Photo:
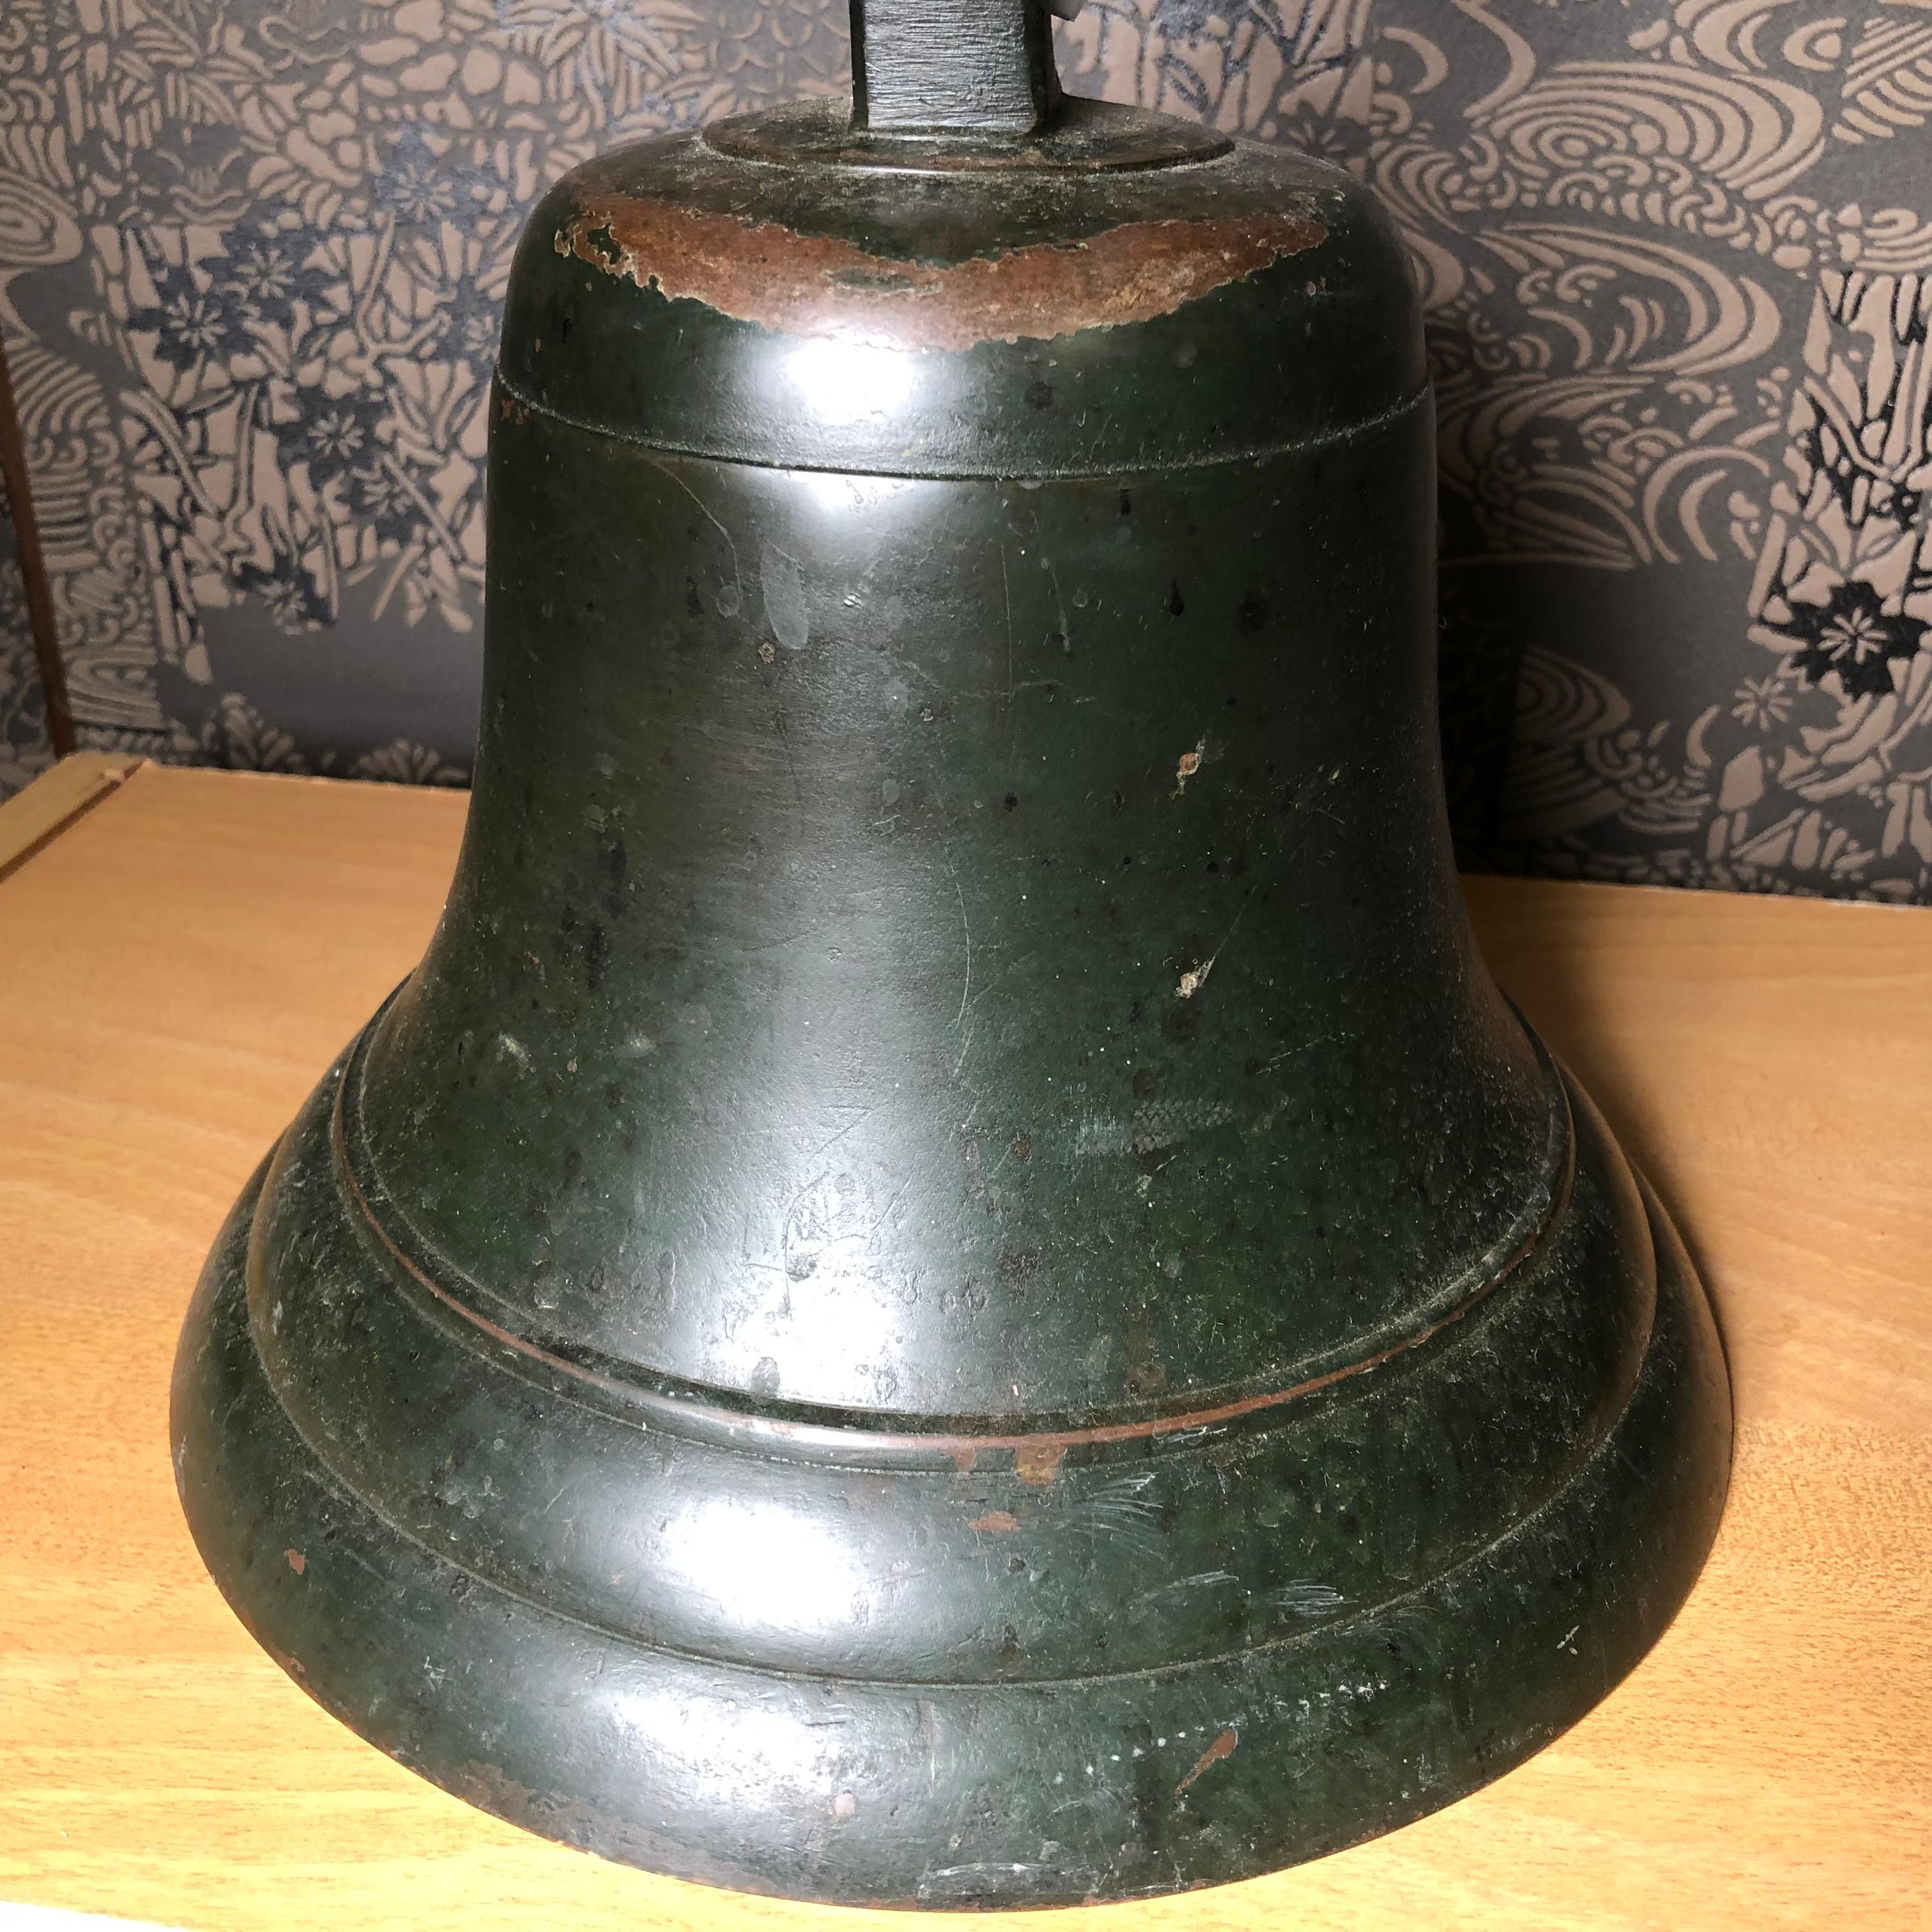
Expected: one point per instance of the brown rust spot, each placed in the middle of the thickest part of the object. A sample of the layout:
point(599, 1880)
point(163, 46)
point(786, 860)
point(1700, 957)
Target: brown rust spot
point(1222, 1747)
point(1037, 1461)
point(1188, 764)
point(762, 272)
point(298, 1562)
point(493, 1789)
point(996, 1522)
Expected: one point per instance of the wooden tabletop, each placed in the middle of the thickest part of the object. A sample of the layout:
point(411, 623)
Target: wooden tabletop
point(179, 962)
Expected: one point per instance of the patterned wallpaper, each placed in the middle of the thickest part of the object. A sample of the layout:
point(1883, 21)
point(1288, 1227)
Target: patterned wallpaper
point(1678, 260)
point(24, 750)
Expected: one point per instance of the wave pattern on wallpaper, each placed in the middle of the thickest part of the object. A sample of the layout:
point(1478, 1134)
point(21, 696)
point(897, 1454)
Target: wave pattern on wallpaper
point(1678, 266)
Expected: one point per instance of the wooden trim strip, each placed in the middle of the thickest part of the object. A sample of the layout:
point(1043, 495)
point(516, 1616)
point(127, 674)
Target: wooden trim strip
point(34, 818)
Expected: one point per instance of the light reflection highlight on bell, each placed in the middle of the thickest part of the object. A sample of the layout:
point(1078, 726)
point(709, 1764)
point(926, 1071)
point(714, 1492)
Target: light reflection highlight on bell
point(844, 381)
point(833, 490)
point(767, 1563)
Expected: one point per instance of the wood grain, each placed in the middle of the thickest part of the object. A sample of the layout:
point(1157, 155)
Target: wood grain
point(177, 966)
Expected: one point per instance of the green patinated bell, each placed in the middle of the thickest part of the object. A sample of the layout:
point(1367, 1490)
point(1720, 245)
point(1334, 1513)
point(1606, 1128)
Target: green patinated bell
point(951, 1284)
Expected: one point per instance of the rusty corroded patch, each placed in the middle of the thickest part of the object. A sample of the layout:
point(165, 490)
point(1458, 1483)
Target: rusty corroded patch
point(822, 285)
point(998, 1522)
point(1037, 1459)
point(1221, 1747)
point(297, 1561)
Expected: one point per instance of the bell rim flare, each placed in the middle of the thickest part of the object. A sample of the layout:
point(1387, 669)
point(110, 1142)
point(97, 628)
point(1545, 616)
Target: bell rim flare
point(1286, 1750)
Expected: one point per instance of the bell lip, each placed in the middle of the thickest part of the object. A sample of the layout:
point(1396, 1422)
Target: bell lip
point(1610, 1557)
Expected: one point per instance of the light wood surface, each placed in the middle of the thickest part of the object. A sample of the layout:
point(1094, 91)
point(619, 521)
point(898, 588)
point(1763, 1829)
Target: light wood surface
point(178, 964)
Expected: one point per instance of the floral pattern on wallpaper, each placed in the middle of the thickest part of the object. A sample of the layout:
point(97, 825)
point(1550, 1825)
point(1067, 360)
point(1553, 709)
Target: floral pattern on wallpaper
point(1677, 262)
point(26, 750)
point(252, 257)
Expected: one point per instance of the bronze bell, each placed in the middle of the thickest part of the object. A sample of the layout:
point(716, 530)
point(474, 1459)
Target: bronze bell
point(951, 1284)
